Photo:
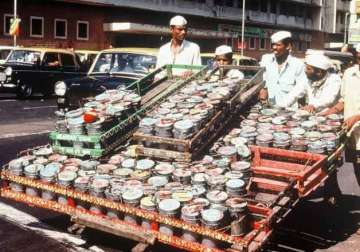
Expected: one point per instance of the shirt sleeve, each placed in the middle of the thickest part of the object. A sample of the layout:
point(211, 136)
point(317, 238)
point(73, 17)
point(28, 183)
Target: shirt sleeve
point(329, 94)
point(263, 64)
point(197, 57)
point(343, 88)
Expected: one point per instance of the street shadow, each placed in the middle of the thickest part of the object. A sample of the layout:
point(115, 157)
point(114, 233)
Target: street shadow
point(318, 225)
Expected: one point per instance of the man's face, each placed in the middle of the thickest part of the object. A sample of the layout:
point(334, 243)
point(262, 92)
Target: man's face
point(313, 73)
point(280, 49)
point(178, 32)
point(223, 60)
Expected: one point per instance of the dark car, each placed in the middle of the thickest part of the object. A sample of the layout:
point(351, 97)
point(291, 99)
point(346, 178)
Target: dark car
point(29, 70)
point(112, 68)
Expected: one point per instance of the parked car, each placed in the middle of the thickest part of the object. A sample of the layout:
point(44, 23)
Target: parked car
point(29, 70)
point(4, 53)
point(112, 68)
point(86, 58)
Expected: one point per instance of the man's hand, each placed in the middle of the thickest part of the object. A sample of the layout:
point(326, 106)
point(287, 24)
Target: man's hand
point(263, 96)
point(327, 112)
point(186, 74)
point(349, 123)
point(309, 108)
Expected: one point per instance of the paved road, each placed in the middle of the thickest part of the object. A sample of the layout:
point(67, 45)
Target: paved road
point(312, 226)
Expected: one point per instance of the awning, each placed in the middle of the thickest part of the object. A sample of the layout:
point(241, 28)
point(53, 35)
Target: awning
point(135, 28)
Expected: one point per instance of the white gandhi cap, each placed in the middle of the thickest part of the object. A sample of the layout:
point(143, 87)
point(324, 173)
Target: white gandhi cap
point(178, 21)
point(223, 49)
point(280, 35)
point(318, 61)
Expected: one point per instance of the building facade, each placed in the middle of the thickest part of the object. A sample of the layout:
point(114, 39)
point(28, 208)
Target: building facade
point(97, 24)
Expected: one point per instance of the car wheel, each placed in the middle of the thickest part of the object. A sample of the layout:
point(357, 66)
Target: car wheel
point(24, 91)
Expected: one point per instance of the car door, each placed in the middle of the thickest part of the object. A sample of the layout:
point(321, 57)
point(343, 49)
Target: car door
point(69, 67)
point(50, 71)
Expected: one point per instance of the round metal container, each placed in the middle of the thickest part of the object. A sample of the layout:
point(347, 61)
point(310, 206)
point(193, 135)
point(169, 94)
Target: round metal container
point(216, 182)
point(147, 125)
point(129, 163)
point(140, 175)
point(228, 152)
point(217, 197)
point(169, 207)
point(182, 176)
point(88, 165)
point(199, 179)
point(235, 187)
point(81, 184)
point(264, 140)
point(105, 168)
point(164, 169)
point(183, 197)
point(32, 171)
point(145, 164)
point(65, 178)
point(132, 196)
point(158, 181)
point(123, 172)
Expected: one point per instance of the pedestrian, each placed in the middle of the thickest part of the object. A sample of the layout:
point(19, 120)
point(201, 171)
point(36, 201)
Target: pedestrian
point(178, 50)
point(322, 88)
point(282, 70)
point(349, 104)
point(224, 57)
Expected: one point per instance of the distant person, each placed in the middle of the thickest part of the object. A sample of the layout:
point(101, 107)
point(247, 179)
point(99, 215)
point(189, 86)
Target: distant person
point(224, 57)
point(282, 70)
point(178, 50)
point(321, 90)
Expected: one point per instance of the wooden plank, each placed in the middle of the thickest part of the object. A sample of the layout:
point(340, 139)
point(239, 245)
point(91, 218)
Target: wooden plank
point(161, 140)
point(155, 91)
point(269, 184)
point(163, 154)
point(117, 228)
point(293, 167)
point(275, 172)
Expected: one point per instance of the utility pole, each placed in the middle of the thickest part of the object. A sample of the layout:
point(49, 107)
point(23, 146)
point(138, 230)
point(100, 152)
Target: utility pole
point(242, 27)
point(14, 19)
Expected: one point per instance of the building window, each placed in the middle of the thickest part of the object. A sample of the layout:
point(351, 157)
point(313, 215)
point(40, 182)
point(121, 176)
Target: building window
point(308, 44)
point(262, 44)
point(252, 44)
point(7, 23)
point(82, 32)
point(36, 27)
point(60, 28)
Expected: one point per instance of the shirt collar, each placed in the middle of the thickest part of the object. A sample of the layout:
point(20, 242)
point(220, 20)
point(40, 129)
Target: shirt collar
point(182, 44)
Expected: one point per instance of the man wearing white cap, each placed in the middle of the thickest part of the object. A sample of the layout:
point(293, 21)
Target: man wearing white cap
point(282, 70)
point(223, 57)
point(349, 103)
point(178, 50)
point(322, 88)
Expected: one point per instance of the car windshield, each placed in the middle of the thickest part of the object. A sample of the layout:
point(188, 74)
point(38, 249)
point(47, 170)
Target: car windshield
point(24, 56)
point(4, 53)
point(124, 62)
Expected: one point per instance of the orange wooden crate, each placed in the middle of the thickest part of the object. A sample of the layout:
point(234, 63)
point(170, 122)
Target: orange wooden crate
point(308, 170)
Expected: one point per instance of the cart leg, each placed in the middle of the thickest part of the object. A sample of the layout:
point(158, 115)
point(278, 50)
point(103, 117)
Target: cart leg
point(331, 189)
point(140, 247)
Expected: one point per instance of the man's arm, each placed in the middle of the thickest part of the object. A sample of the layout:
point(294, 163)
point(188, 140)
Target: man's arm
point(329, 95)
point(197, 57)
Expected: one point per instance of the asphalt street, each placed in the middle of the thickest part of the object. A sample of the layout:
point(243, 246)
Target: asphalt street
point(312, 226)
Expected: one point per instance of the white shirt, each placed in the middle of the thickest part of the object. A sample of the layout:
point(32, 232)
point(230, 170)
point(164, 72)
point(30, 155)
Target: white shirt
point(188, 54)
point(233, 74)
point(350, 94)
point(280, 82)
point(321, 97)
